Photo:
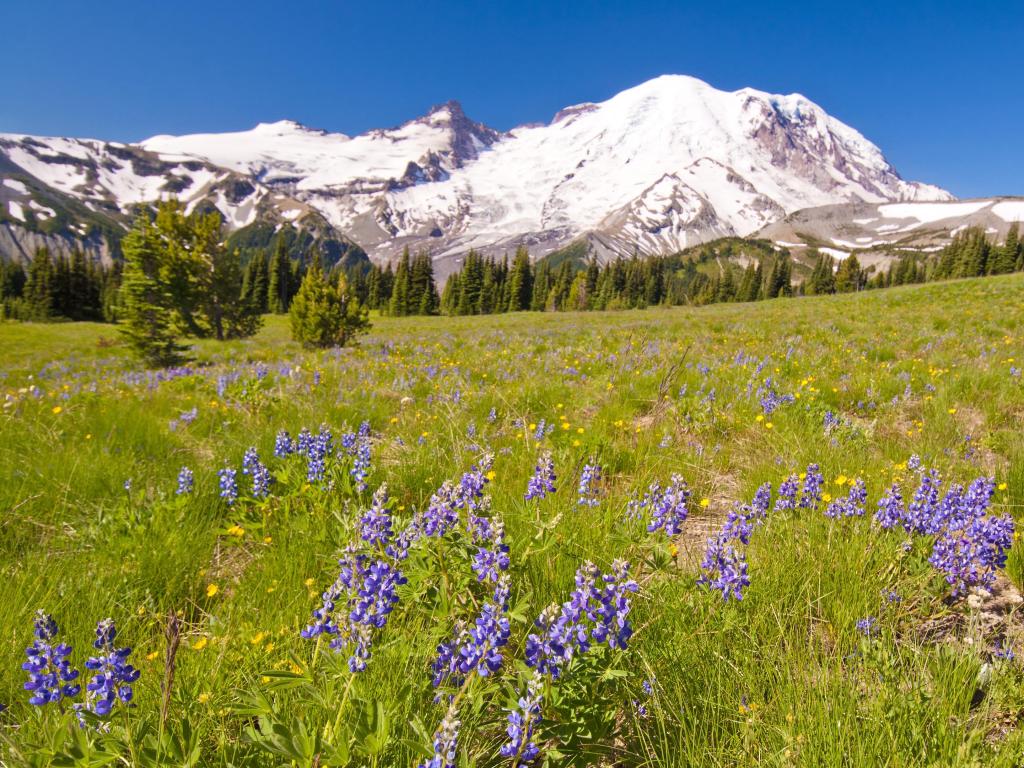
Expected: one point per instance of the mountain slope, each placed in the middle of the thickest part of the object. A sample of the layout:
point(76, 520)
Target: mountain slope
point(876, 232)
point(667, 164)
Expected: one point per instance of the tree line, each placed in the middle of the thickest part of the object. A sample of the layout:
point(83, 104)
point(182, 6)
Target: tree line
point(210, 294)
point(66, 287)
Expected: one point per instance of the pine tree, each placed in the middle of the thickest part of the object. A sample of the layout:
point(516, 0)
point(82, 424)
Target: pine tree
point(450, 294)
point(401, 294)
point(423, 298)
point(848, 277)
point(278, 279)
point(325, 315)
point(147, 305)
point(260, 281)
point(40, 287)
point(471, 284)
point(520, 282)
point(1004, 259)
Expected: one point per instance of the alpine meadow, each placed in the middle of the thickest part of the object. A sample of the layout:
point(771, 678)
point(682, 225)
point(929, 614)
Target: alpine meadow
point(673, 428)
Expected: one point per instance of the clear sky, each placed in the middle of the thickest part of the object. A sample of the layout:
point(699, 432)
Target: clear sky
point(939, 86)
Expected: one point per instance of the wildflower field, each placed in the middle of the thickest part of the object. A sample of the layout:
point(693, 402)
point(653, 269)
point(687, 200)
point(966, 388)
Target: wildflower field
point(778, 533)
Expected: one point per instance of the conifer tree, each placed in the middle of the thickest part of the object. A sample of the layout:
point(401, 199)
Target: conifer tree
point(41, 286)
point(279, 279)
point(147, 309)
point(401, 293)
point(325, 315)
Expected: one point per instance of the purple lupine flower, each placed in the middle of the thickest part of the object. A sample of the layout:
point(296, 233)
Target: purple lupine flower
point(1004, 652)
point(669, 508)
point(50, 675)
point(832, 422)
point(317, 448)
point(890, 508)
point(810, 496)
point(971, 556)
point(491, 557)
point(228, 485)
point(725, 569)
point(787, 494)
point(185, 481)
point(358, 446)
point(611, 608)
point(303, 442)
point(920, 515)
point(445, 744)
point(769, 397)
point(543, 481)
point(376, 522)
point(597, 611)
point(113, 678)
point(741, 520)
point(788, 490)
point(852, 505)
point(360, 600)
point(590, 477)
point(283, 445)
point(443, 511)
point(476, 648)
point(868, 626)
point(399, 547)
point(521, 724)
point(261, 477)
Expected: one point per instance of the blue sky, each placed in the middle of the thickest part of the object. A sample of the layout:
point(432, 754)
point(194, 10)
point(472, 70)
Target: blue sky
point(939, 86)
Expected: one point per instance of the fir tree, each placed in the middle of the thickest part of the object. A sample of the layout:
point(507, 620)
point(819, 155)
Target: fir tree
point(147, 305)
point(325, 315)
point(41, 286)
point(401, 294)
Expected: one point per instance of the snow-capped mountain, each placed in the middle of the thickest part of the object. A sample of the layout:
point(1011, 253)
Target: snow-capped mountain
point(658, 167)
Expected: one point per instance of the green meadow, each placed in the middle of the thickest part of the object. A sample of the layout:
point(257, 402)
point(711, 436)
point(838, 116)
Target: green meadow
point(92, 526)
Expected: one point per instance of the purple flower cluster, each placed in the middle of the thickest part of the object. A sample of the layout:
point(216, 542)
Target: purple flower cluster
point(868, 626)
point(543, 481)
point(832, 422)
point(446, 504)
point(113, 675)
point(725, 569)
point(741, 521)
point(852, 505)
point(597, 612)
point(445, 745)
point(589, 480)
point(316, 448)
point(50, 675)
point(185, 481)
point(793, 496)
point(283, 445)
point(667, 506)
point(357, 445)
point(359, 600)
point(491, 557)
point(257, 470)
point(890, 508)
point(970, 545)
point(228, 485)
point(478, 647)
point(375, 523)
point(521, 724)
point(810, 495)
point(770, 398)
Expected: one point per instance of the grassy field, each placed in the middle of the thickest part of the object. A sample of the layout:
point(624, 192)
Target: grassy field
point(92, 527)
